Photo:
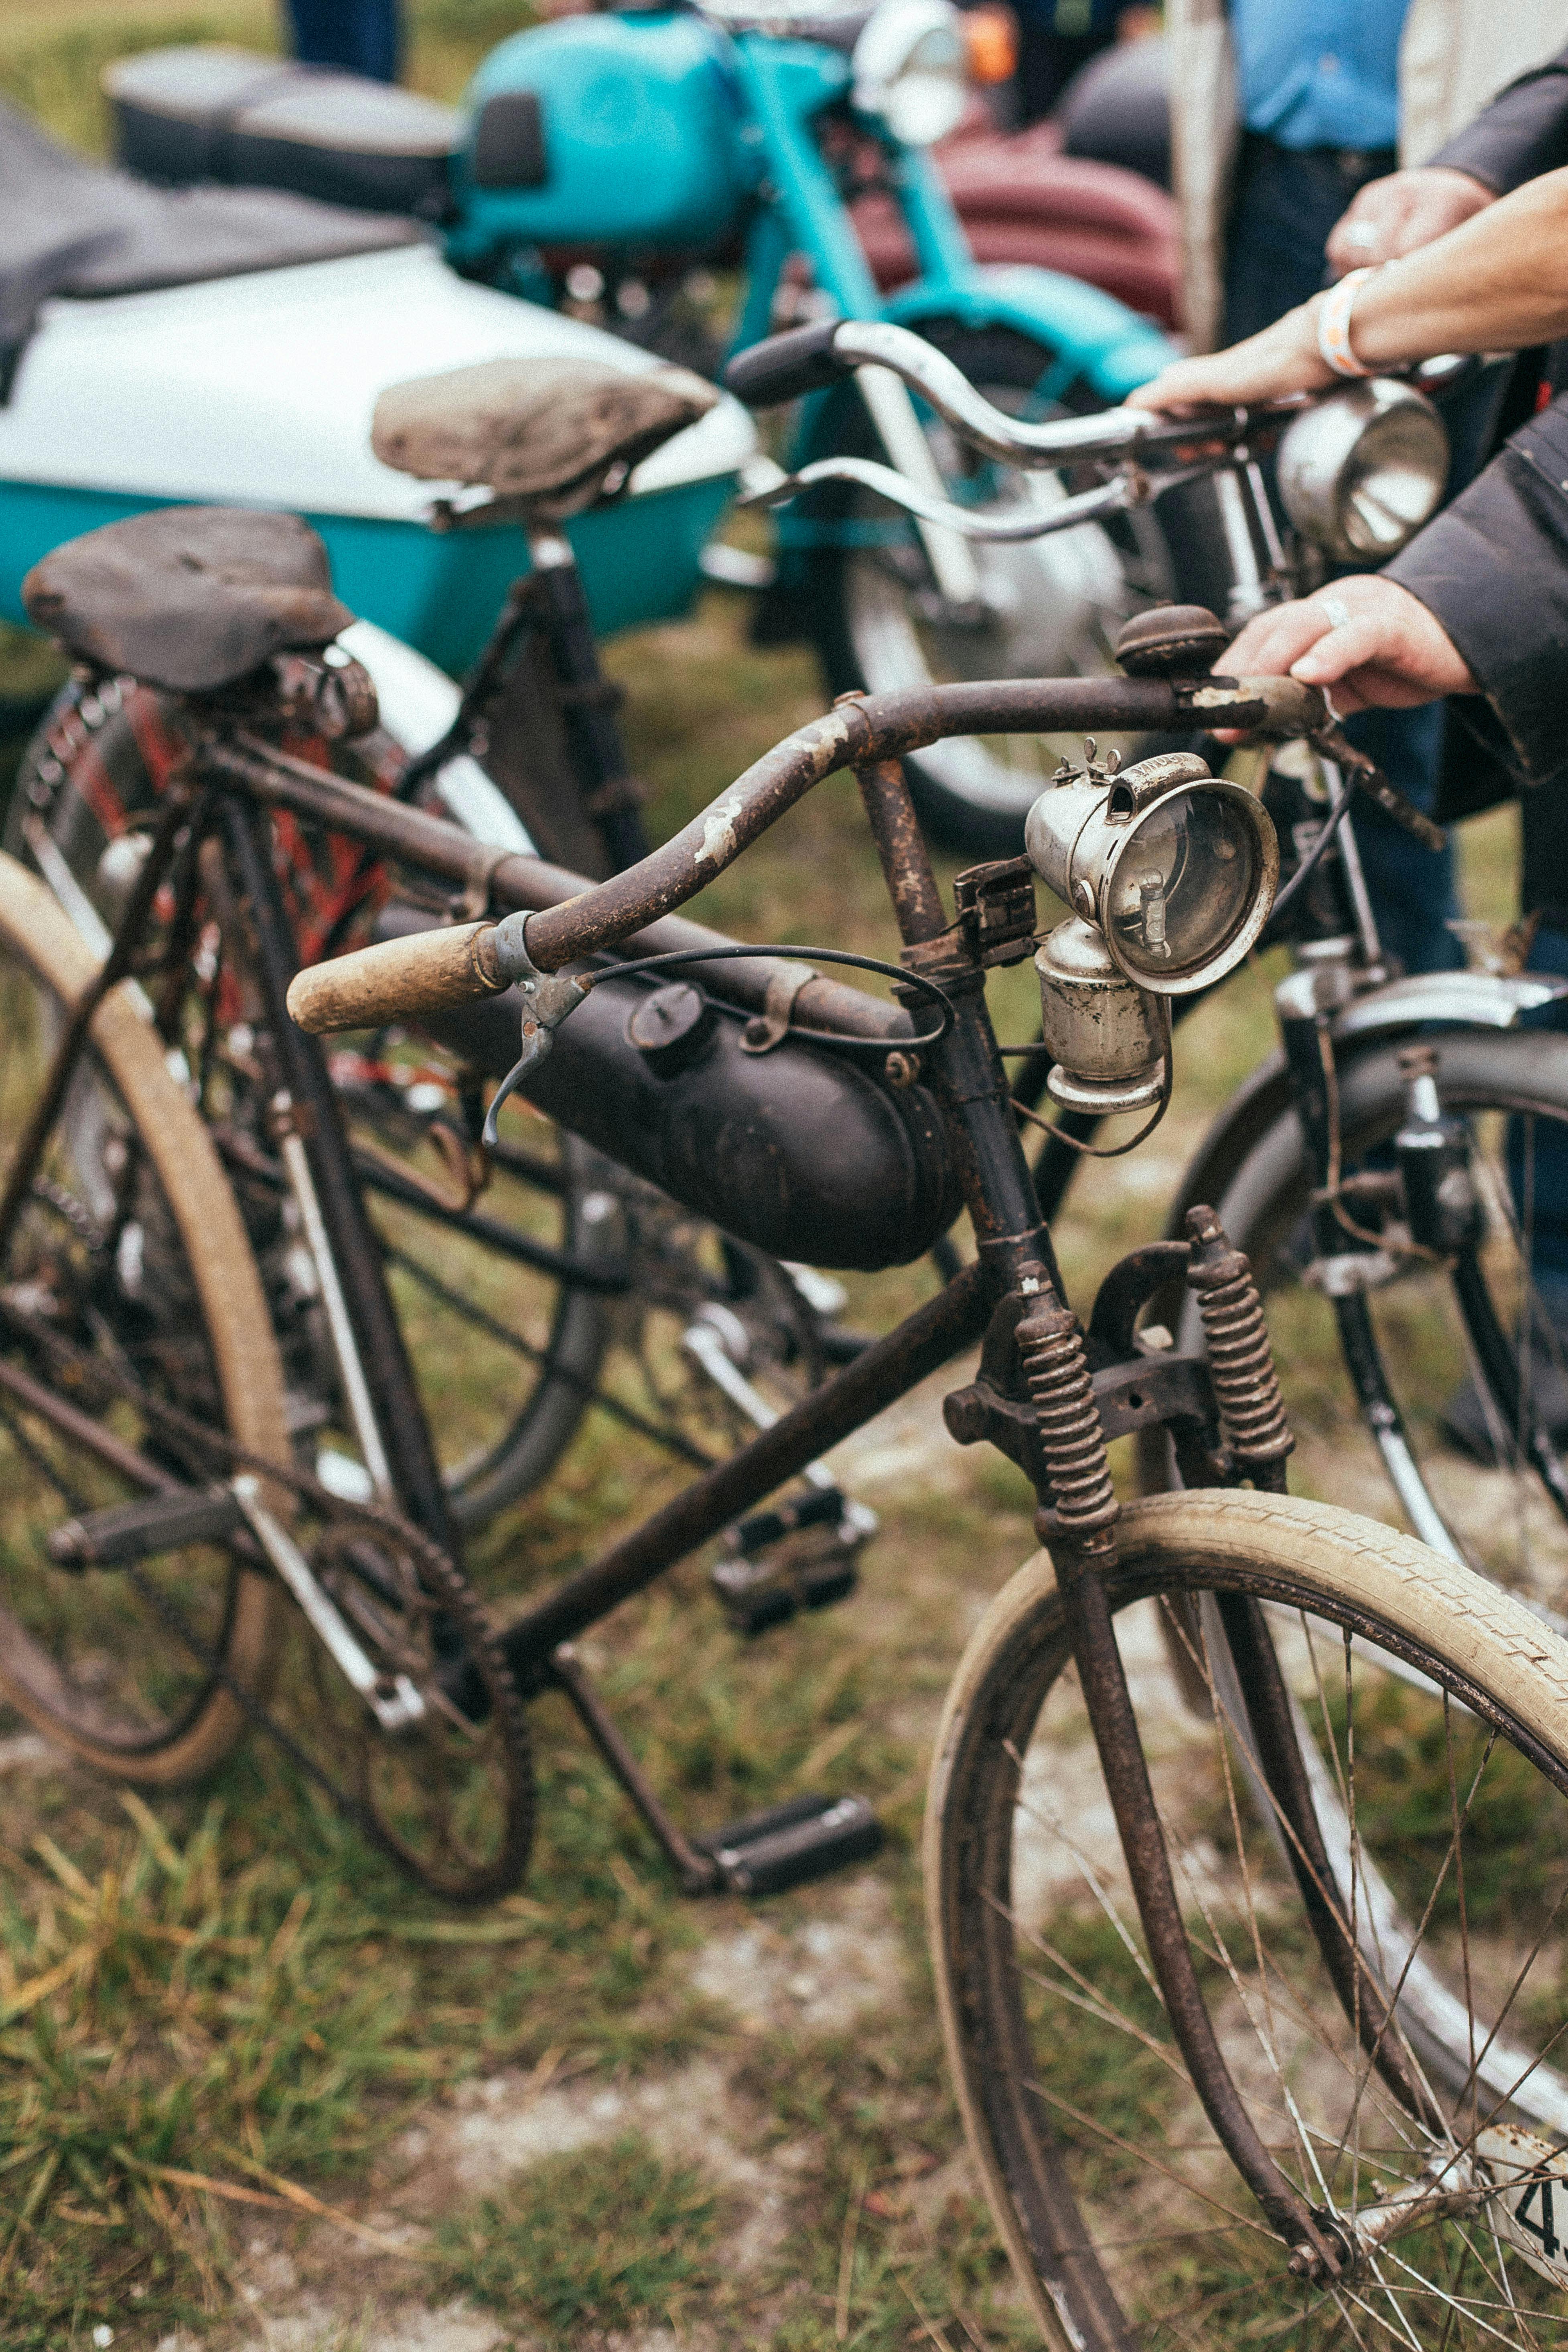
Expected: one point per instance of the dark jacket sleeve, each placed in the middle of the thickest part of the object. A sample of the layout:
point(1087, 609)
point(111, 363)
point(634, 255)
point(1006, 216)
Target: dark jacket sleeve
point(1493, 567)
point(1523, 131)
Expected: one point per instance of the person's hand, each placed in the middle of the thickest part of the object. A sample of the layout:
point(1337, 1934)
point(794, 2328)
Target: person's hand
point(1403, 210)
point(1283, 359)
point(1372, 642)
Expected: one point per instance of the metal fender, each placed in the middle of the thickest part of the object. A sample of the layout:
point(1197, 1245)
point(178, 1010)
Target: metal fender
point(1463, 1000)
point(1098, 340)
point(1469, 1000)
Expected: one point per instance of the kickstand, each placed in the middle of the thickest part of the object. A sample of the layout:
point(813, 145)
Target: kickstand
point(802, 1839)
point(698, 1873)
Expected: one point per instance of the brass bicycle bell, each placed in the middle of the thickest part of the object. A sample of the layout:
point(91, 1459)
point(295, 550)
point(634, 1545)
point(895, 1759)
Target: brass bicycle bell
point(1170, 873)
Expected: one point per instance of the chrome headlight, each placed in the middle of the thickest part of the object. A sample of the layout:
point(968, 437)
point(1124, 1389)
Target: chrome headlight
point(1174, 867)
point(911, 67)
point(1361, 471)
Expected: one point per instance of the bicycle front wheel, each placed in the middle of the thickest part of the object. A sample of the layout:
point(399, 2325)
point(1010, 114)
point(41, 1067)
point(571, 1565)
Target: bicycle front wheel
point(1412, 2097)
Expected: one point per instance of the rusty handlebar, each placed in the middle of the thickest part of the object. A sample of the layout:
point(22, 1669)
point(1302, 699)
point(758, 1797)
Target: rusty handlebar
point(401, 978)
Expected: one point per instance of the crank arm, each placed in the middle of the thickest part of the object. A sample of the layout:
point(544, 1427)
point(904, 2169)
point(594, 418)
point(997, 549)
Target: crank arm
point(706, 1349)
point(393, 1699)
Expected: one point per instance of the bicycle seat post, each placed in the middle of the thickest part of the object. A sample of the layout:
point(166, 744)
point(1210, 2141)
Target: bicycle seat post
point(589, 700)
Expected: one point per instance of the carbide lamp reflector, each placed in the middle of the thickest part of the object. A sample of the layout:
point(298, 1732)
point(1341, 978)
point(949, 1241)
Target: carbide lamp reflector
point(1182, 886)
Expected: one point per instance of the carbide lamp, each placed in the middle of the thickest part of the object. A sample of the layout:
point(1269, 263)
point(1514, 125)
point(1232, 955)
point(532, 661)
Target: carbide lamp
point(1361, 471)
point(1175, 866)
point(1170, 873)
point(910, 67)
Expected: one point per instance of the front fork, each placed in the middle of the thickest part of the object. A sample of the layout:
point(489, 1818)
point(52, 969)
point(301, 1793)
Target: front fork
point(1038, 1347)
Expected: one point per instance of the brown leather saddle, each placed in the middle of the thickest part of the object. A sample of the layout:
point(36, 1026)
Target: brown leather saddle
point(544, 436)
point(191, 598)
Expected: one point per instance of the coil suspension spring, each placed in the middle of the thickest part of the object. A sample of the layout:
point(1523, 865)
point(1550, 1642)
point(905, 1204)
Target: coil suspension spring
point(1241, 1361)
point(1051, 1356)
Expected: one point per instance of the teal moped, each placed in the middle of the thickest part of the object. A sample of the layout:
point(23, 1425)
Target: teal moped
point(608, 163)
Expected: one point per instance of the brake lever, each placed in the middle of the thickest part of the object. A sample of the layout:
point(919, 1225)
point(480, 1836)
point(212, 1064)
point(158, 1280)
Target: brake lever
point(1368, 777)
point(1130, 488)
point(547, 998)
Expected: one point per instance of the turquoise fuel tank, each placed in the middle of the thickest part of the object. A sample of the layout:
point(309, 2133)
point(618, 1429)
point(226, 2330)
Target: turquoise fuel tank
point(614, 130)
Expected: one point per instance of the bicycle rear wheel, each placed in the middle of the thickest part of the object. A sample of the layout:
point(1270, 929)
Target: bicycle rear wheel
point(511, 1354)
point(1437, 1711)
point(128, 1269)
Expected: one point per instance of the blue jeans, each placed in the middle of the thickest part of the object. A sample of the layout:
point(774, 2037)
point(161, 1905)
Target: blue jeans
point(363, 36)
point(1285, 206)
point(1547, 1186)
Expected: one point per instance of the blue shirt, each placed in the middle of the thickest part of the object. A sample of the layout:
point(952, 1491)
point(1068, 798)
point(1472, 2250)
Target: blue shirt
point(1320, 73)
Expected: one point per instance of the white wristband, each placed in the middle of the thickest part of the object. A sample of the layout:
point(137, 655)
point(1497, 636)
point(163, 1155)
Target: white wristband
point(1334, 326)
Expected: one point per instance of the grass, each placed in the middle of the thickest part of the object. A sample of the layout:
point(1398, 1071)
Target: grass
point(53, 52)
point(580, 2244)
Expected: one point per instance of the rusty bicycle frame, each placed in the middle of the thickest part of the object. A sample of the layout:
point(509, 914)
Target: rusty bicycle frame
point(1051, 1394)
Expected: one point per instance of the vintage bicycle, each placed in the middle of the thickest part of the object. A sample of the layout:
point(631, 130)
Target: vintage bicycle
point(1272, 1942)
point(535, 1278)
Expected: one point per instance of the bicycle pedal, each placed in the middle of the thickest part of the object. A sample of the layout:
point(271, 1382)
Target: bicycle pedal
point(792, 1843)
point(125, 1533)
point(802, 1555)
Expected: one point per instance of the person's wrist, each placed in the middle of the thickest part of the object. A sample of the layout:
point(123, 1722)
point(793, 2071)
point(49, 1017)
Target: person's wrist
point(1334, 325)
point(1309, 366)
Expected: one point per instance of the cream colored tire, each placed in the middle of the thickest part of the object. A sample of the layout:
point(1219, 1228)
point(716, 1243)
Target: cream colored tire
point(1473, 1638)
point(35, 937)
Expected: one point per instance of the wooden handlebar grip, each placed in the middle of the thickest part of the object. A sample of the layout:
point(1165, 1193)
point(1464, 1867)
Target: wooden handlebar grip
point(396, 979)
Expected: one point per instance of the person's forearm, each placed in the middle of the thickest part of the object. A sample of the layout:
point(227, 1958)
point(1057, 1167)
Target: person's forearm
point(1498, 284)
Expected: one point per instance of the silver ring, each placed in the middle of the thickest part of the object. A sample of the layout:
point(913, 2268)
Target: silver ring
point(1335, 609)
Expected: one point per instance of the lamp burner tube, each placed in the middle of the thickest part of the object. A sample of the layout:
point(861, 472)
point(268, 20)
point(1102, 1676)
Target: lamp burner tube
point(1107, 1037)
